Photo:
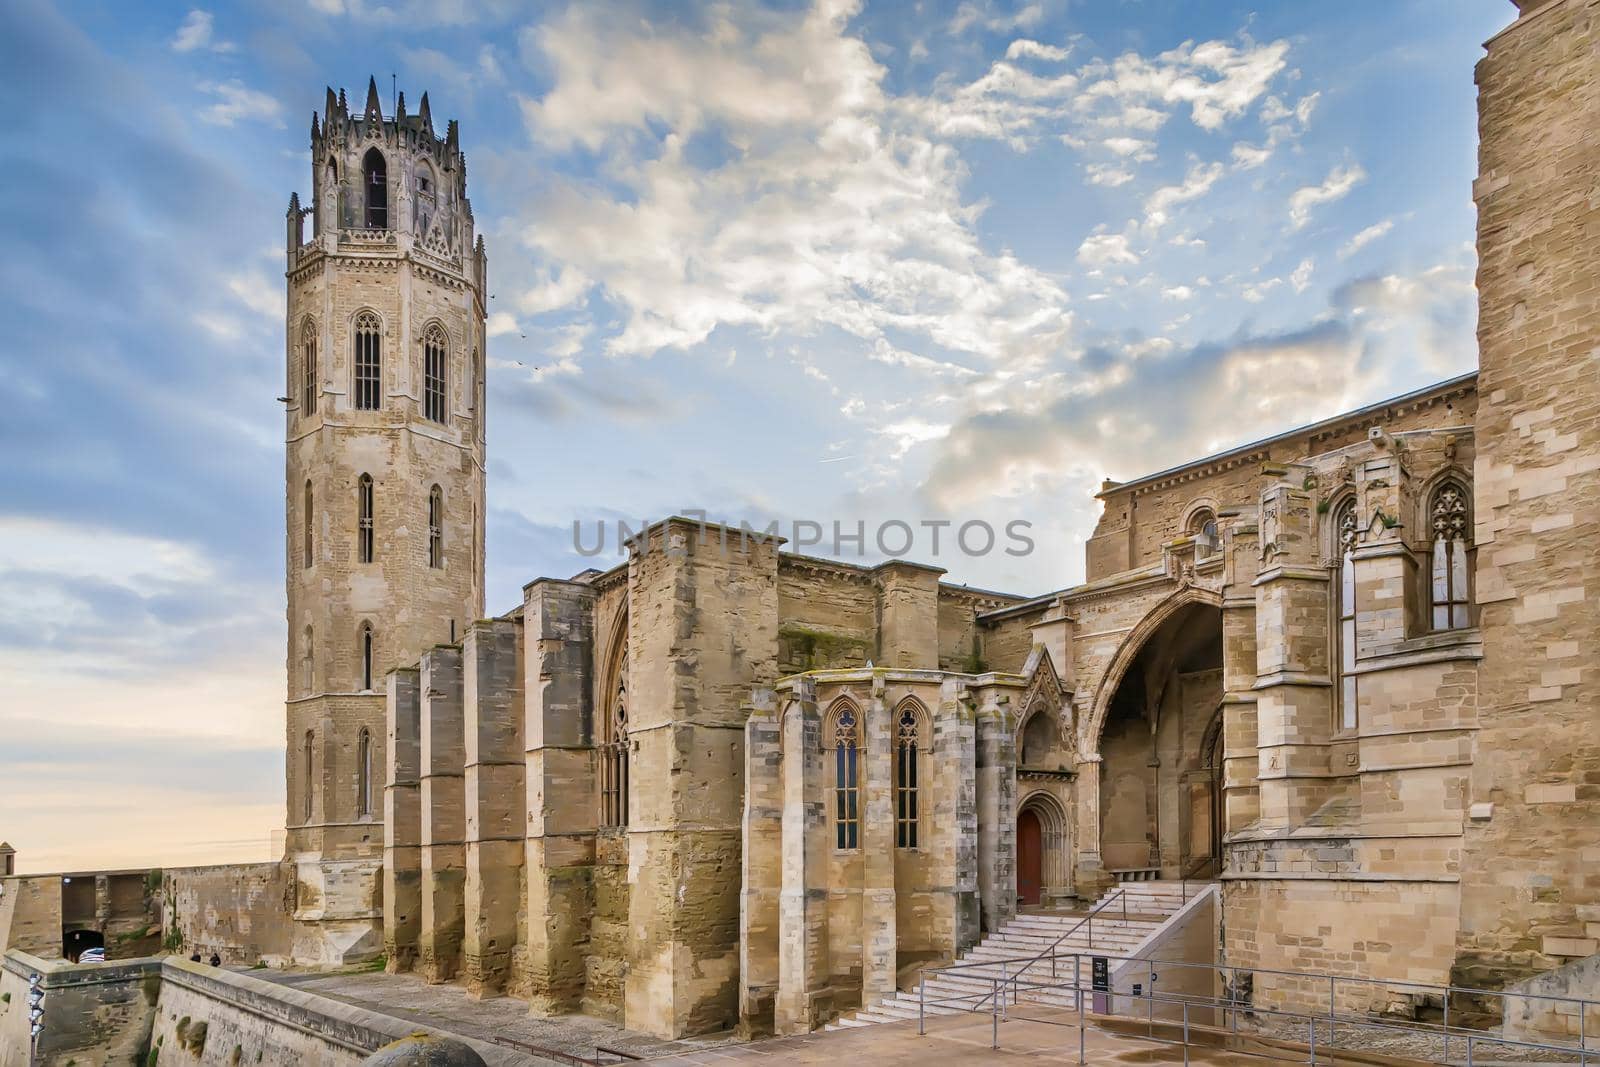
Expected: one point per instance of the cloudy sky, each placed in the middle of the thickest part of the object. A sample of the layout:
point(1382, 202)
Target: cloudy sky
point(828, 261)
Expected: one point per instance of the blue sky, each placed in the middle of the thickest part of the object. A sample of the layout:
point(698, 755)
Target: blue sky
point(829, 261)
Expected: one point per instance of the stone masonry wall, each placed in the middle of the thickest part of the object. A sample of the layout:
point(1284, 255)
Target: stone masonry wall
point(1529, 891)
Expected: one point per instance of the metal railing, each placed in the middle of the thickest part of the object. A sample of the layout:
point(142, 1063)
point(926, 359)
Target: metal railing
point(1006, 991)
point(1050, 950)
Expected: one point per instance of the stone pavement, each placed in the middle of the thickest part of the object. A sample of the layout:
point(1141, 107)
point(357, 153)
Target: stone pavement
point(1046, 1036)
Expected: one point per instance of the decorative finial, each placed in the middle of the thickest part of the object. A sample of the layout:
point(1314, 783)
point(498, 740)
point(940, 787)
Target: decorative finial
point(425, 115)
point(316, 131)
point(452, 137)
point(400, 108)
point(374, 108)
point(344, 106)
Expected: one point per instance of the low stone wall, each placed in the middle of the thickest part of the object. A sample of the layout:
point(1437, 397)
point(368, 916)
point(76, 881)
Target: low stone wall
point(95, 1013)
point(166, 1010)
point(1528, 1017)
point(1189, 936)
point(242, 912)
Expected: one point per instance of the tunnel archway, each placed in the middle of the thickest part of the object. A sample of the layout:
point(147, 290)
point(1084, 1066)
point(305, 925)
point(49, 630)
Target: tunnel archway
point(1157, 740)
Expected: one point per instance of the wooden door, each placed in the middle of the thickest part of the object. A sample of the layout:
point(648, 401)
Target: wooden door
point(1030, 858)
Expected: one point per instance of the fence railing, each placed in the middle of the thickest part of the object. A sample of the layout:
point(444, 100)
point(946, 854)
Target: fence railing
point(1004, 992)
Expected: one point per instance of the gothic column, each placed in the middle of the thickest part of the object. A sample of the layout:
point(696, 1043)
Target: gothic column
point(761, 863)
point(1293, 687)
point(443, 817)
point(559, 784)
point(1241, 796)
point(955, 826)
point(803, 899)
point(402, 821)
point(879, 945)
point(495, 824)
point(989, 732)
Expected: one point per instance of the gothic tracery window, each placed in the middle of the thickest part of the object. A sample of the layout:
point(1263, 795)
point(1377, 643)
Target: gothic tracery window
point(308, 364)
point(365, 542)
point(375, 178)
point(908, 735)
point(1203, 528)
point(369, 362)
point(1450, 525)
point(308, 525)
point(307, 662)
point(308, 780)
point(846, 780)
point(364, 772)
point(366, 657)
point(1344, 531)
point(614, 750)
point(435, 527)
point(433, 374)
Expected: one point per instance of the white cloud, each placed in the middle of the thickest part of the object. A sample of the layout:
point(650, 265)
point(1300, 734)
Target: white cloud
point(834, 208)
point(1337, 185)
point(1248, 156)
point(554, 293)
point(196, 31)
point(236, 101)
point(971, 14)
point(500, 323)
point(1195, 184)
point(1365, 237)
point(1131, 147)
point(1022, 48)
point(1300, 278)
point(1178, 292)
point(259, 293)
point(1107, 174)
point(1106, 249)
point(1258, 292)
point(1216, 80)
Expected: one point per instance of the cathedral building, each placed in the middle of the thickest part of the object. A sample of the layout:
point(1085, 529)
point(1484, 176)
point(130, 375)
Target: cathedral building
point(1342, 681)
point(1341, 671)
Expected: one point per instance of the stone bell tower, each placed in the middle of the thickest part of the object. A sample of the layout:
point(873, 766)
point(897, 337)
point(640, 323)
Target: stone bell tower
point(384, 475)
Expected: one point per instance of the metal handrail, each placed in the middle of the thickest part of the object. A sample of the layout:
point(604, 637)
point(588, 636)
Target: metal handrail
point(1089, 919)
point(1232, 1004)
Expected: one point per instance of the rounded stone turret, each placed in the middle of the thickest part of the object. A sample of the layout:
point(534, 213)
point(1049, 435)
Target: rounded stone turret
point(424, 1050)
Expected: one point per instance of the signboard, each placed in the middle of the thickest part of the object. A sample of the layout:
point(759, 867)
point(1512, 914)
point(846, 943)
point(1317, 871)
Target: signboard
point(1100, 979)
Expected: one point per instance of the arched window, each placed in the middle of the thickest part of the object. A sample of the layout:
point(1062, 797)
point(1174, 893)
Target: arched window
point(365, 540)
point(369, 362)
point(475, 387)
point(364, 772)
point(846, 779)
point(1344, 533)
point(309, 524)
point(307, 663)
point(308, 783)
point(908, 739)
point(472, 535)
point(308, 364)
point(435, 527)
point(433, 374)
point(1203, 528)
point(1451, 526)
point(375, 179)
point(366, 657)
point(614, 747)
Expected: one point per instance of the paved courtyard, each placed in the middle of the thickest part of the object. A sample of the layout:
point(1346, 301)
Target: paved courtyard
point(1043, 1037)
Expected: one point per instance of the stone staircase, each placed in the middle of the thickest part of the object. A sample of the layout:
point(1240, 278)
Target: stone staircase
point(1149, 905)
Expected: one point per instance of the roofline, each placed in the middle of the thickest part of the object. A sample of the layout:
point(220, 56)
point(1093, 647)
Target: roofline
point(1299, 431)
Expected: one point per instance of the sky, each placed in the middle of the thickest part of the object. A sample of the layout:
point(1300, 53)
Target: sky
point(838, 261)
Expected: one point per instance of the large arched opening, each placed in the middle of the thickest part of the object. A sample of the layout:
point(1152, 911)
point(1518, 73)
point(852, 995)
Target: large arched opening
point(1159, 741)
